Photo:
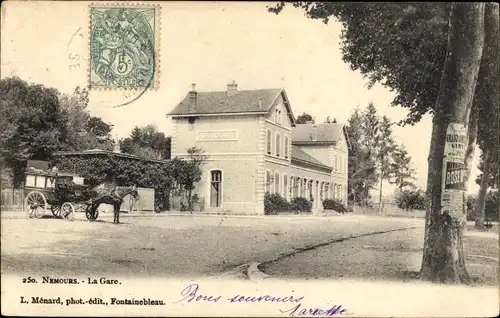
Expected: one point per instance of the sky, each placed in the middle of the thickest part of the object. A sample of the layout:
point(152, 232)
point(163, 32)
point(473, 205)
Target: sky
point(209, 44)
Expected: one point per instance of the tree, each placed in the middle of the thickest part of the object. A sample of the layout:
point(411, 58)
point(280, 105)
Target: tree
point(404, 46)
point(329, 120)
point(303, 118)
point(34, 127)
point(403, 174)
point(371, 154)
point(486, 100)
point(443, 258)
point(385, 149)
point(147, 142)
point(188, 172)
point(85, 131)
point(361, 165)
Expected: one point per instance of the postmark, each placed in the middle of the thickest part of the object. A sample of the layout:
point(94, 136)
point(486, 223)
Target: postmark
point(123, 42)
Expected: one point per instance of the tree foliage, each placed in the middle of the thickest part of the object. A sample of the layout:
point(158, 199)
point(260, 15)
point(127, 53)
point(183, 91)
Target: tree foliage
point(147, 142)
point(84, 131)
point(361, 165)
point(38, 121)
point(303, 118)
point(401, 45)
point(411, 200)
point(330, 120)
point(403, 174)
point(374, 155)
point(163, 176)
point(33, 127)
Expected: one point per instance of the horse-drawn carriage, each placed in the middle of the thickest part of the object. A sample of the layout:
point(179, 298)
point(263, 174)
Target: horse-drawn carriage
point(64, 194)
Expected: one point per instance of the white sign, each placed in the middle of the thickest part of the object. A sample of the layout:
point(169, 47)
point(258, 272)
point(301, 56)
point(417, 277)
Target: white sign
point(456, 141)
point(217, 135)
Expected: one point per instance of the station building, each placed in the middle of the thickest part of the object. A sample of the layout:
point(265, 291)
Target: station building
point(253, 146)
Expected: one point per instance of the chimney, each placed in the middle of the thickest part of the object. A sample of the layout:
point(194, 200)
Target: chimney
point(192, 98)
point(232, 88)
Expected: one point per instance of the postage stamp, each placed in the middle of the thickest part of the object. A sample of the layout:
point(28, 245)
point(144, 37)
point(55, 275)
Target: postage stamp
point(123, 42)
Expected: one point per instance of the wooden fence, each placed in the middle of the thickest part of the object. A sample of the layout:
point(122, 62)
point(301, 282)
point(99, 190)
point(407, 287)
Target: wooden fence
point(12, 199)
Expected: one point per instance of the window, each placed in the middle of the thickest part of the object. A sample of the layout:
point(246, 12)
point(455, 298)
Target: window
point(278, 144)
point(277, 116)
point(268, 182)
point(321, 189)
point(269, 142)
point(285, 154)
point(277, 183)
point(285, 186)
point(216, 188)
point(311, 184)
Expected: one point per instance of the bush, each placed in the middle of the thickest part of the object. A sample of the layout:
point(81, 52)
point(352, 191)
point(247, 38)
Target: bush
point(411, 200)
point(491, 207)
point(275, 203)
point(334, 204)
point(301, 205)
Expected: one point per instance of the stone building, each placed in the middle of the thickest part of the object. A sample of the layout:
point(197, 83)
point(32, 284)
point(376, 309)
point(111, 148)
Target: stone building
point(254, 146)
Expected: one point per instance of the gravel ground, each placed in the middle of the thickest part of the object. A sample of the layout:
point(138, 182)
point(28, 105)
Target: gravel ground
point(392, 256)
point(169, 246)
point(188, 246)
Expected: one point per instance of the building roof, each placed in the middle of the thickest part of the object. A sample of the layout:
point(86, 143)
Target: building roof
point(242, 101)
point(325, 133)
point(302, 156)
point(257, 101)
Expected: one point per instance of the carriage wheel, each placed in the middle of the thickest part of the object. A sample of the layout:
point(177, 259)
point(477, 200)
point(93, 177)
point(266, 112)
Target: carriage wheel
point(68, 211)
point(56, 210)
point(36, 204)
point(91, 214)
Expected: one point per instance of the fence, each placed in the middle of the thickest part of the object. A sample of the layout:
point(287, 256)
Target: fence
point(388, 209)
point(12, 199)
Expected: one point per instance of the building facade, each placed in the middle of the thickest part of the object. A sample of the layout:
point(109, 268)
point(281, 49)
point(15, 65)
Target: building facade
point(254, 146)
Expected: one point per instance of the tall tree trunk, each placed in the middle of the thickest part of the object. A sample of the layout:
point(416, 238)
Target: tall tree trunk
point(487, 101)
point(481, 198)
point(380, 193)
point(443, 258)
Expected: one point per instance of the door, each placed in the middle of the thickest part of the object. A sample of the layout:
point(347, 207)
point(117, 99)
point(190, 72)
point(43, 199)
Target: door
point(216, 188)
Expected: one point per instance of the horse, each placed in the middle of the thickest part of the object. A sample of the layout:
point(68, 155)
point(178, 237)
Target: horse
point(114, 197)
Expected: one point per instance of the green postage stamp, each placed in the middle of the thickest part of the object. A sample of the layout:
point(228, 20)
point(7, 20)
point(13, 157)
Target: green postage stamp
point(123, 47)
